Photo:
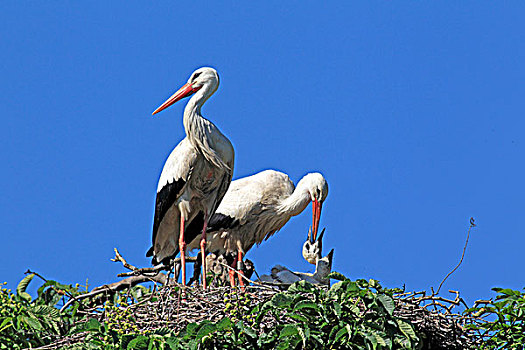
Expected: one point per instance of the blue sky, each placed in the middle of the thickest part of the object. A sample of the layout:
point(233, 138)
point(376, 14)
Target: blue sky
point(412, 111)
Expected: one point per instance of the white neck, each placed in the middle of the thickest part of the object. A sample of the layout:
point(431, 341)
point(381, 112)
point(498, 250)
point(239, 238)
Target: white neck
point(201, 132)
point(297, 202)
point(192, 111)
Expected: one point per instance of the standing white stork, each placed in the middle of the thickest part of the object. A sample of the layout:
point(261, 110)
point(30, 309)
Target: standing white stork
point(195, 177)
point(257, 206)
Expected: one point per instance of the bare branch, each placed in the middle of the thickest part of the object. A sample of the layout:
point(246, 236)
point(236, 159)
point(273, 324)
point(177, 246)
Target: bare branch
point(150, 271)
point(472, 224)
point(118, 286)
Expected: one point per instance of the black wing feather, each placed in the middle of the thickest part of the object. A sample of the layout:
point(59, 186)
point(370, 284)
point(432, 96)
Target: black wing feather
point(165, 199)
point(221, 222)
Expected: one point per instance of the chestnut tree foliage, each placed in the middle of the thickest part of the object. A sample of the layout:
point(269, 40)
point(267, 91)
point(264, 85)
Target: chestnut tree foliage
point(348, 315)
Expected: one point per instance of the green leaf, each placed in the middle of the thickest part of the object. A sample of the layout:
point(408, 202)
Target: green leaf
point(342, 332)
point(139, 343)
point(298, 317)
point(306, 304)
point(318, 339)
point(4, 323)
point(337, 308)
point(301, 286)
point(247, 330)
point(206, 329)
point(224, 324)
point(352, 286)
point(267, 338)
point(380, 340)
point(284, 344)
point(302, 335)
point(407, 329)
point(54, 324)
point(22, 286)
point(281, 300)
point(173, 342)
point(288, 330)
point(192, 328)
point(509, 292)
point(336, 276)
point(45, 310)
point(91, 325)
point(387, 302)
point(32, 322)
point(374, 284)
point(336, 289)
point(371, 338)
point(354, 310)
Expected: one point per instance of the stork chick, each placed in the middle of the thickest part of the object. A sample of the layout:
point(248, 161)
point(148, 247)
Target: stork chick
point(283, 275)
point(312, 249)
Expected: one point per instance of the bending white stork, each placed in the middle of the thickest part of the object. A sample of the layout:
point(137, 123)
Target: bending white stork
point(195, 177)
point(257, 206)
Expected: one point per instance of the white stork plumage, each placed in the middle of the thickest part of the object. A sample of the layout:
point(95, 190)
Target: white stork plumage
point(195, 177)
point(257, 206)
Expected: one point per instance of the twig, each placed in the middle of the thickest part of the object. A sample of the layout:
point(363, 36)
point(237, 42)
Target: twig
point(117, 286)
point(144, 270)
point(472, 224)
point(28, 272)
point(242, 275)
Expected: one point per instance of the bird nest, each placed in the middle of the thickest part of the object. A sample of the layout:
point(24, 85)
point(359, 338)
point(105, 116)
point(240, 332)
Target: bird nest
point(173, 307)
point(435, 318)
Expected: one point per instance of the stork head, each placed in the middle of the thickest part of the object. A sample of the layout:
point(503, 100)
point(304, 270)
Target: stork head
point(204, 80)
point(312, 249)
point(317, 188)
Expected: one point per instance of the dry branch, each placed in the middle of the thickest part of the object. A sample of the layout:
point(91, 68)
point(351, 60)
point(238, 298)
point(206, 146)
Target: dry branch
point(472, 224)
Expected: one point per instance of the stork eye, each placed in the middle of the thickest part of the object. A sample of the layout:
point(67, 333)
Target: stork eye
point(196, 76)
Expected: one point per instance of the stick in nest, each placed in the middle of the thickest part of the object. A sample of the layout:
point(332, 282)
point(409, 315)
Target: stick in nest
point(135, 271)
point(137, 276)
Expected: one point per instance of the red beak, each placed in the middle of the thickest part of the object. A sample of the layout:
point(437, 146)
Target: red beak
point(185, 91)
point(316, 216)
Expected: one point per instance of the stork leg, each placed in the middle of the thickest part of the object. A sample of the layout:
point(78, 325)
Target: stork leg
point(203, 248)
point(240, 273)
point(182, 246)
point(231, 272)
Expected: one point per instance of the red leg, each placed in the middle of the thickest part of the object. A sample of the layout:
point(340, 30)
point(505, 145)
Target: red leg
point(231, 272)
point(203, 248)
point(240, 274)
point(182, 246)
